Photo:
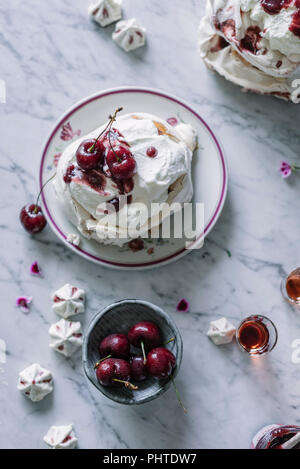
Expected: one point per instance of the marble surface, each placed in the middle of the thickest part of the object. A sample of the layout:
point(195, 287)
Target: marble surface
point(51, 56)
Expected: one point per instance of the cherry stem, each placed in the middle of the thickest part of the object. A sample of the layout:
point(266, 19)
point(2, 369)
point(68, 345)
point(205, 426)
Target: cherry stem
point(102, 359)
point(178, 395)
point(38, 197)
point(127, 384)
point(111, 120)
point(143, 350)
point(170, 340)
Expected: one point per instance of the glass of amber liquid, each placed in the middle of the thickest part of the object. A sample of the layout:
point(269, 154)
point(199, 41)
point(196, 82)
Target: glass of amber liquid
point(290, 288)
point(257, 335)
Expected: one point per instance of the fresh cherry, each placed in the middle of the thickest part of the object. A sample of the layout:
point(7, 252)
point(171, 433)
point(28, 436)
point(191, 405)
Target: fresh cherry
point(121, 162)
point(160, 362)
point(32, 218)
point(90, 154)
point(146, 335)
point(138, 369)
point(114, 372)
point(115, 345)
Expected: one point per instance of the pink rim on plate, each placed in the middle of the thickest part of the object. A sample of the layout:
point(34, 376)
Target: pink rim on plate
point(166, 259)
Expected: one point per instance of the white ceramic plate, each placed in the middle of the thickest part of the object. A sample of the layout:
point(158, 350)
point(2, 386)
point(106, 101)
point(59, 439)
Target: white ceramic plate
point(209, 171)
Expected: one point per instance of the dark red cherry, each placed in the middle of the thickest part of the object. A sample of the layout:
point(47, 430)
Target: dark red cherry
point(160, 362)
point(32, 218)
point(116, 345)
point(114, 372)
point(145, 335)
point(151, 152)
point(121, 163)
point(146, 332)
point(90, 154)
point(138, 369)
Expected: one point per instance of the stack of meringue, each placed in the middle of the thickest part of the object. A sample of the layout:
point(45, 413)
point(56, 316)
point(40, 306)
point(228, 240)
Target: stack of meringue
point(66, 336)
point(164, 178)
point(250, 47)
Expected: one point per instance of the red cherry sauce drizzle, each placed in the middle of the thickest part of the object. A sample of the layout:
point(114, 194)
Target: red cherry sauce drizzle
point(273, 7)
point(136, 245)
point(251, 39)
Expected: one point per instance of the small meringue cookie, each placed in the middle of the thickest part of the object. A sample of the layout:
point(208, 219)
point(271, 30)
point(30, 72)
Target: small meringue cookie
point(35, 382)
point(221, 331)
point(106, 12)
point(68, 301)
point(74, 239)
point(129, 34)
point(66, 337)
point(61, 437)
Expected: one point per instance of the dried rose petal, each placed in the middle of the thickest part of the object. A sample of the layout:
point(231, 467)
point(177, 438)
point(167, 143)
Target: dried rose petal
point(56, 158)
point(23, 303)
point(285, 169)
point(35, 270)
point(172, 121)
point(183, 305)
point(68, 133)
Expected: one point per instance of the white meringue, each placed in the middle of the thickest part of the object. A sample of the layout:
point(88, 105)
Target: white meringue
point(61, 437)
point(35, 382)
point(262, 39)
point(219, 56)
point(106, 12)
point(74, 239)
point(68, 301)
point(66, 337)
point(129, 34)
point(163, 179)
point(221, 331)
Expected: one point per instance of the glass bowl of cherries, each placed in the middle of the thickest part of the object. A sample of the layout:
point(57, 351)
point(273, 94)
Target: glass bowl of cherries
point(132, 352)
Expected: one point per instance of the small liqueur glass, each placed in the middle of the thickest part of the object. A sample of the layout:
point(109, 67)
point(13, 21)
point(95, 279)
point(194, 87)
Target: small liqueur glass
point(290, 288)
point(256, 335)
point(277, 437)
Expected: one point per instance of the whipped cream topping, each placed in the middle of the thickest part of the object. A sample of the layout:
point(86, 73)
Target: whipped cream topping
point(163, 178)
point(265, 40)
point(221, 331)
point(35, 382)
point(219, 56)
point(61, 437)
point(74, 239)
point(68, 301)
point(106, 12)
point(129, 34)
point(66, 337)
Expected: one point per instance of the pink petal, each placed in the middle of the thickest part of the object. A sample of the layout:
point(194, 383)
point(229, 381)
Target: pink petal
point(35, 270)
point(23, 303)
point(56, 159)
point(183, 305)
point(172, 121)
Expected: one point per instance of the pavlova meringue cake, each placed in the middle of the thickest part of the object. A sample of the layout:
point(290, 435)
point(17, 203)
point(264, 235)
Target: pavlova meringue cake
point(253, 43)
point(143, 160)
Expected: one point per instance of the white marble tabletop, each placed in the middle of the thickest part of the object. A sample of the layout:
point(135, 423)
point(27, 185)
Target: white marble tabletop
point(51, 56)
